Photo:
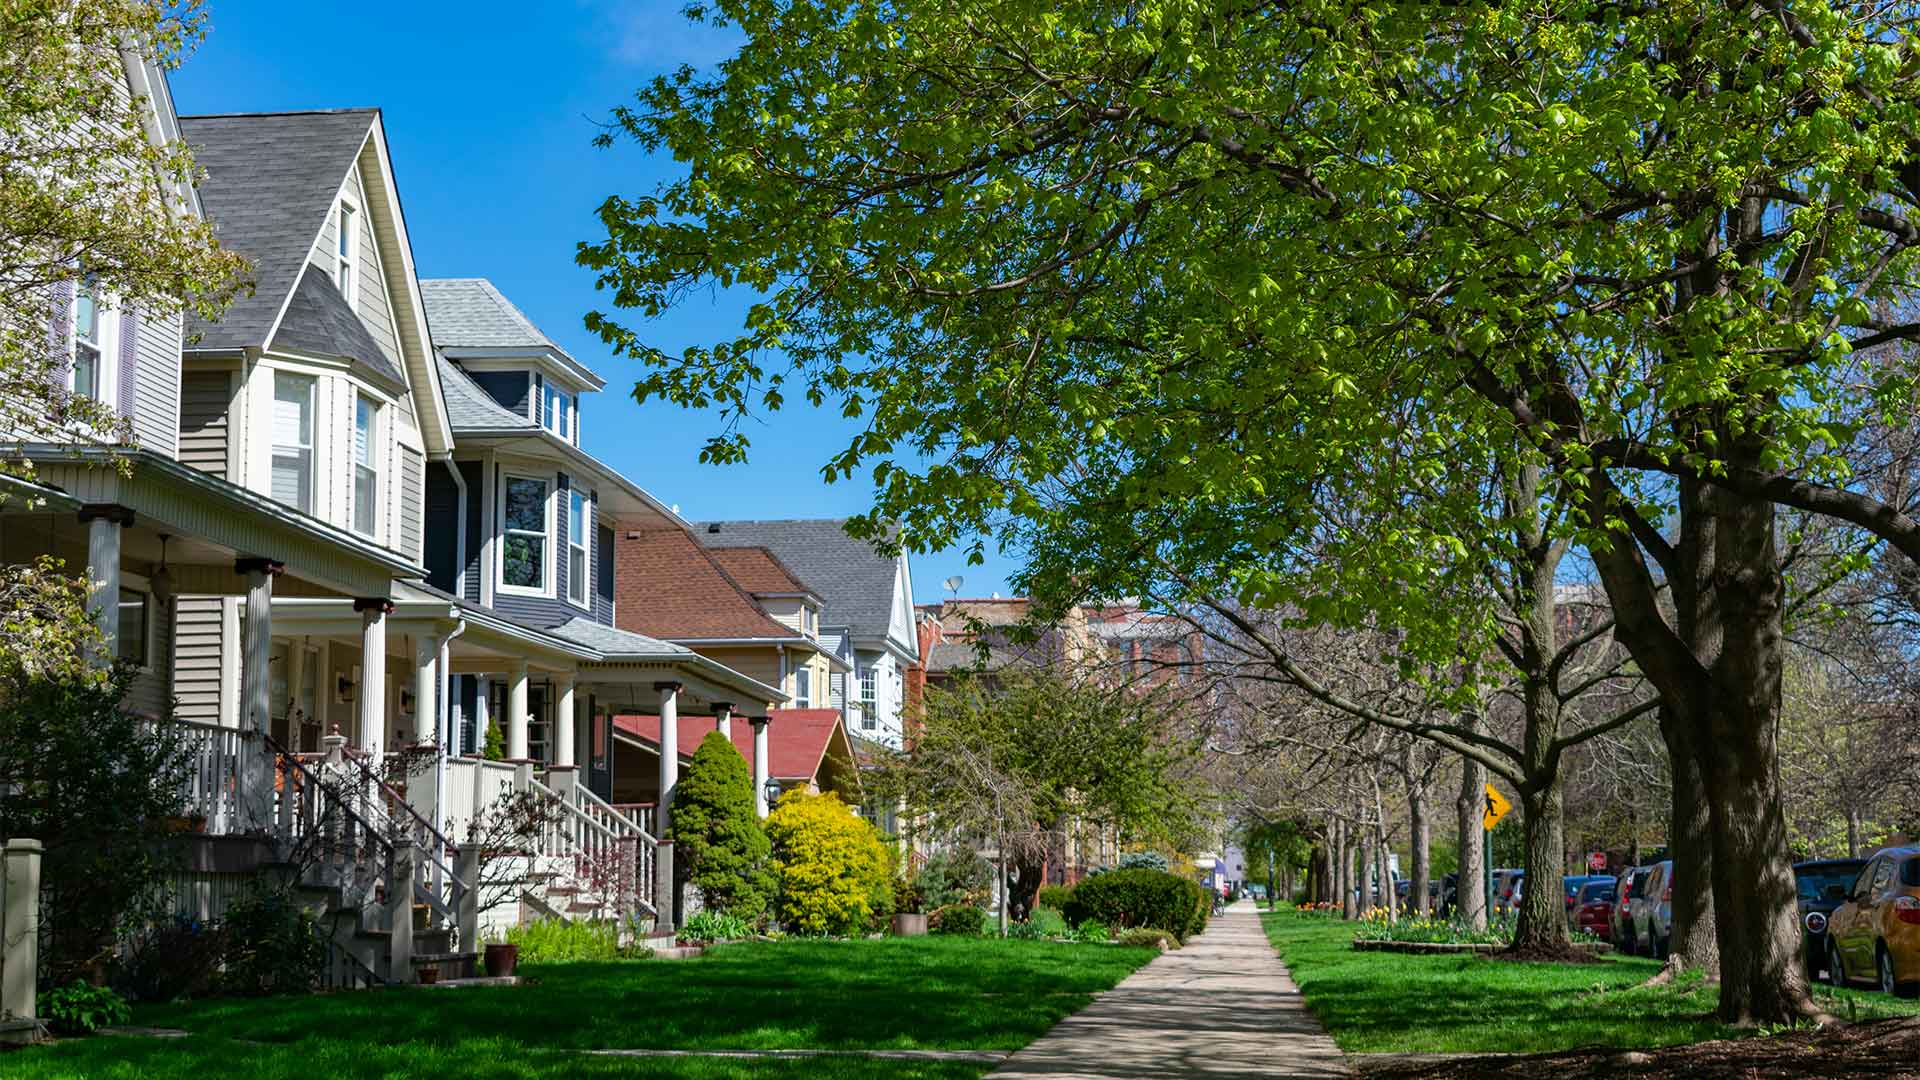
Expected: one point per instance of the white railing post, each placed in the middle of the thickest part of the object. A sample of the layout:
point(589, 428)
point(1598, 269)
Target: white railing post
point(401, 871)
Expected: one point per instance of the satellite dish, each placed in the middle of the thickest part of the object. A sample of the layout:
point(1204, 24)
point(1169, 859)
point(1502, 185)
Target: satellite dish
point(953, 584)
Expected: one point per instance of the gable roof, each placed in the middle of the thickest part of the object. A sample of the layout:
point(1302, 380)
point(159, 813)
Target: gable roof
point(670, 586)
point(855, 583)
point(797, 739)
point(759, 571)
point(270, 181)
point(471, 313)
point(321, 322)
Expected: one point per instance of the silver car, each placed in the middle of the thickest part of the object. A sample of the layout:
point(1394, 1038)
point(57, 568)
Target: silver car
point(1652, 911)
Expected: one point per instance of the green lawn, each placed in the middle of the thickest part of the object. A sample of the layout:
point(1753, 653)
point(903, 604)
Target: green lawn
point(1375, 1003)
point(896, 993)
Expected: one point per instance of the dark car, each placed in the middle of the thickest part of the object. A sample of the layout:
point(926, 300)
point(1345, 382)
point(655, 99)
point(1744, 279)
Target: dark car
point(1822, 885)
point(1571, 885)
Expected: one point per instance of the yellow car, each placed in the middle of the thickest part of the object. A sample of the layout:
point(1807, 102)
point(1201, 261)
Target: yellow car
point(1875, 933)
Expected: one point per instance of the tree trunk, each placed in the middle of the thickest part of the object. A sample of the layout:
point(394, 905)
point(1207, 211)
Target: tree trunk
point(1853, 831)
point(1542, 929)
point(1028, 875)
point(1343, 869)
point(1695, 945)
point(1383, 873)
point(1470, 890)
point(1420, 839)
point(1762, 980)
point(1363, 884)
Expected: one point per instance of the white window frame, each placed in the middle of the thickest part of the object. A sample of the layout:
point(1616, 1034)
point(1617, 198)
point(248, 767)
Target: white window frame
point(580, 540)
point(313, 424)
point(573, 419)
point(545, 588)
point(375, 445)
point(149, 611)
point(803, 687)
point(346, 247)
point(560, 420)
point(105, 343)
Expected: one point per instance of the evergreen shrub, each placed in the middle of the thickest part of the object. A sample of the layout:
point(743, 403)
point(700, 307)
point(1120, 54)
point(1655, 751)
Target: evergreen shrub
point(1142, 897)
point(719, 847)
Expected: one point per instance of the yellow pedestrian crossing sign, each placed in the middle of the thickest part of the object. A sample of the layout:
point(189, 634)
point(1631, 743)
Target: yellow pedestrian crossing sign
point(1497, 807)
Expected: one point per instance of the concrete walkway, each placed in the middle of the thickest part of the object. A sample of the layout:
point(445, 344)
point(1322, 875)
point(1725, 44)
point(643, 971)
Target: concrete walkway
point(1219, 1009)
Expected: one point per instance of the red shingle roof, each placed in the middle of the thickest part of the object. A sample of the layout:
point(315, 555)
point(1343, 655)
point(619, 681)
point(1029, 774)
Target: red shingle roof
point(797, 739)
point(671, 588)
point(759, 571)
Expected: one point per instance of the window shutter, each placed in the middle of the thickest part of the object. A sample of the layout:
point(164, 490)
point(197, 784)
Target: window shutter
point(603, 554)
point(59, 341)
point(129, 361)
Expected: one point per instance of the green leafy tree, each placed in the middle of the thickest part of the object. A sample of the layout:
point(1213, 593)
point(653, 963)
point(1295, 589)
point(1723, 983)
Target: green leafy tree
point(718, 845)
point(1205, 262)
point(89, 202)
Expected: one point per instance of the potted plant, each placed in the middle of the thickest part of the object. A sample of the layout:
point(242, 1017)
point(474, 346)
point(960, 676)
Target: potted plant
point(908, 918)
point(429, 974)
point(501, 957)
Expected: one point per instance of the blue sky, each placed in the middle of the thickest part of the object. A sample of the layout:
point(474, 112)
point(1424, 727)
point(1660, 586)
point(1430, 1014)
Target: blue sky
point(490, 108)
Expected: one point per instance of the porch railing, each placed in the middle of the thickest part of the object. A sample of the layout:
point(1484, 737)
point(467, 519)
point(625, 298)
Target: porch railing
point(215, 755)
point(597, 851)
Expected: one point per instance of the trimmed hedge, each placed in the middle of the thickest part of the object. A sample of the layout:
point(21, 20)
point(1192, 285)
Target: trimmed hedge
point(961, 920)
point(1142, 897)
point(1053, 896)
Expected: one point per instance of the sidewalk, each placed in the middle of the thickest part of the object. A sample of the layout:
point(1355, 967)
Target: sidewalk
point(1221, 1008)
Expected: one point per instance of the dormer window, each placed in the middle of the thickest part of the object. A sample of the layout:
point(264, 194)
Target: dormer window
point(559, 413)
point(346, 249)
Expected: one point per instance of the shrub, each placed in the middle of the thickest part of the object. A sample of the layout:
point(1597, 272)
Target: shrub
point(960, 920)
point(708, 926)
point(176, 959)
point(1142, 860)
point(493, 745)
point(1047, 922)
point(1093, 930)
point(271, 946)
point(1145, 937)
point(1142, 897)
point(1053, 896)
point(719, 847)
point(82, 1009)
point(958, 876)
point(1025, 931)
point(557, 941)
point(831, 867)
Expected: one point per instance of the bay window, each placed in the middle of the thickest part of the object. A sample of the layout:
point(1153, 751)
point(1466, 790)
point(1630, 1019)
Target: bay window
point(579, 535)
point(366, 465)
point(528, 527)
point(292, 481)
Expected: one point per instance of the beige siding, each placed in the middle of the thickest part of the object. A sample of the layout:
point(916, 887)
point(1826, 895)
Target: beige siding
point(413, 501)
point(156, 399)
point(206, 400)
point(196, 658)
point(147, 693)
point(785, 612)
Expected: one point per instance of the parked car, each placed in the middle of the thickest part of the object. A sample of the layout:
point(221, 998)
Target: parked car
point(1822, 884)
point(1448, 894)
point(1573, 883)
point(1628, 887)
point(1652, 911)
point(1593, 907)
point(1504, 885)
point(1875, 933)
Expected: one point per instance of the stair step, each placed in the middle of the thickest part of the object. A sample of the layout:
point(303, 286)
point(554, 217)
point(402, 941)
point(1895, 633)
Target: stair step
point(675, 952)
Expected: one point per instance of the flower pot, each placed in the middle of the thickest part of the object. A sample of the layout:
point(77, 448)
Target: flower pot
point(910, 924)
point(429, 975)
point(502, 959)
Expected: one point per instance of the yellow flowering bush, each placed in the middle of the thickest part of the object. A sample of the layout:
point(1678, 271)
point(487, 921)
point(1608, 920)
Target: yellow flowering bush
point(832, 869)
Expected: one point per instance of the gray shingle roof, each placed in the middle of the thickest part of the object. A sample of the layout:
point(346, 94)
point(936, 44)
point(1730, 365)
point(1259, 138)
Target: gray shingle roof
point(271, 179)
point(470, 408)
point(854, 581)
point(614, 642)
point(472, 313)
point(319, 320)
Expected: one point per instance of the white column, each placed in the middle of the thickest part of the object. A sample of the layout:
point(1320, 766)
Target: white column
point(759, 764)
point(19, 926)
point(296, 678)
point(103, 575)
point(482, 716)
point(669, 754)
point(563, 750)
point(426, 688)
point(723, 719)
point(256, 645)
point(517, 713)
point(372, 690)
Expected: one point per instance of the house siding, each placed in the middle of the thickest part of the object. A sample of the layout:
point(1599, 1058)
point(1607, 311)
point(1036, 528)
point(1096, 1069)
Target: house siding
point(196, 658)
point(413, 495)
point(471, 475)
point(156, 397)
point(206, 400)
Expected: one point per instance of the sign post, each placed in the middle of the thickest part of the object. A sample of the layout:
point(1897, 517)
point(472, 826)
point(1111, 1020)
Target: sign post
point(1497, 807)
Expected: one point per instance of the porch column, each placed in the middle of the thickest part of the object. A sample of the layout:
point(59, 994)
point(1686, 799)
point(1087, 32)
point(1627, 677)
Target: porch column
point(759, 764)
point(723, 719)
point(517, 712)
point(426, 689)
point(482, 716)
point(669, 755)
point(373, 672)
point(563, 748)
point(104, 522)
point(256, 644)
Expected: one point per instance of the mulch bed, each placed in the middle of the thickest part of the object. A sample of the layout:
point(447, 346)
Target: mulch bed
point(1881, 1048)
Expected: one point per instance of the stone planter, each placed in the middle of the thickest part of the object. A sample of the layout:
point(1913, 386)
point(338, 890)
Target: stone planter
point(429, 975)
point(502, 959)
point(910, 924)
